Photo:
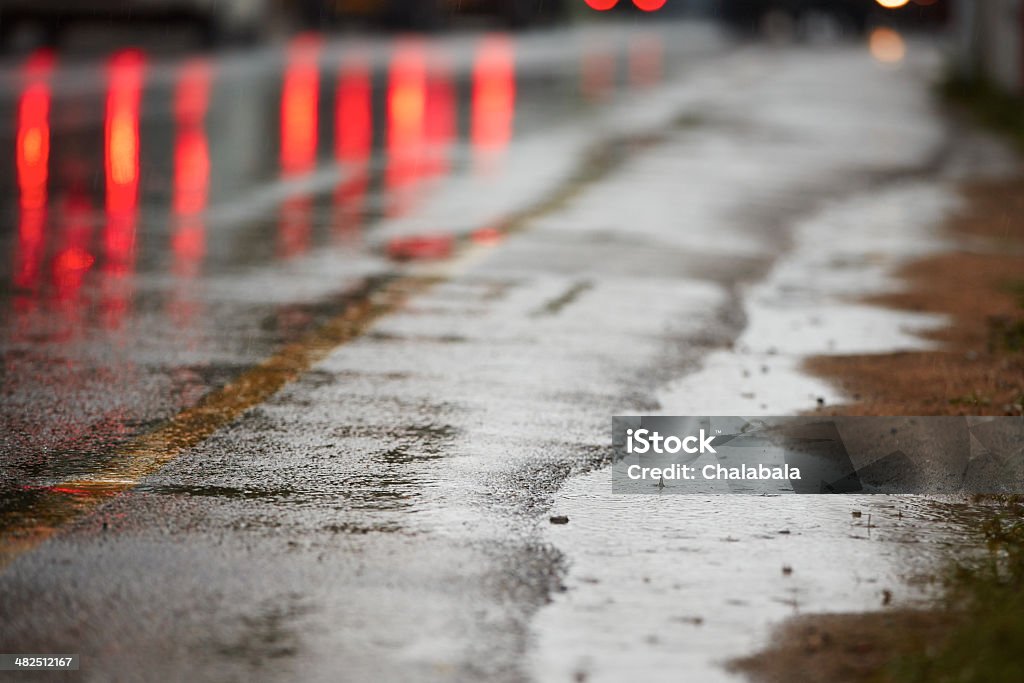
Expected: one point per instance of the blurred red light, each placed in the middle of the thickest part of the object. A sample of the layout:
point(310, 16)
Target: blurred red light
point(646, 52)
point(299, 101)
point(192, 95)
point(421, 247)
point(32, 157)
point(407, 101)
point(122, 131)
point(486, 236)
point(439, 124)
point(121, 144)
point(74, 259)
point(649, 5)
point(354, 113)
point(191, 172)
point(33, 141)
point(191, 153)
point(602, 5)
point(353, 143)
point(494, 94)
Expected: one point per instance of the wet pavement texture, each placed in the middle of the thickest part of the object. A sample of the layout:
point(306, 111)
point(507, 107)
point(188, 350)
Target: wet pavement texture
point(587, 209)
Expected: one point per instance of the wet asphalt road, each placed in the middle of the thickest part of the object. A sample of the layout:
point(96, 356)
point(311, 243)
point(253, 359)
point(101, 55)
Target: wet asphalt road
point(489, 227)
point(176, 222)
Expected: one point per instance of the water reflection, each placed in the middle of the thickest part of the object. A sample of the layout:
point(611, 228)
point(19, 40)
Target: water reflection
point(441, 117)
point(598, 70)
point(646, 59)
point(494, 98)
point(191, 189)
point(180, 174)
point(407, 96)
point(32, 152)
point(300, 98)
point(121, 146)
point(353, 135)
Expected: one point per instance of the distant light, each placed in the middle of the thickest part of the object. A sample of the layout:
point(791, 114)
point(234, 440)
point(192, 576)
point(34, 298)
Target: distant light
point(602, 5)
point(892, 4)
point(649, 5)
point(887, 45)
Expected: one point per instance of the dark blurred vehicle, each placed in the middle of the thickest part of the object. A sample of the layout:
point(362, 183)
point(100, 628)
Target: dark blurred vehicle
point(218, 19)
point(433, 14)
point(851, 15)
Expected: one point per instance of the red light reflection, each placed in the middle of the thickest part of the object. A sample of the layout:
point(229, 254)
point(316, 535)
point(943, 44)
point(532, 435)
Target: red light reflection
point(121, 144)
point(353, 136)
point(32, 152)
point(122, 131)
point(300, 99)
point(74, 259)
point(597, 75)
point(440, 123)
point(354, 113)
point(602, 5)
point(407, 97)
point(494, 95)
point(646, 59)
point(191, 180)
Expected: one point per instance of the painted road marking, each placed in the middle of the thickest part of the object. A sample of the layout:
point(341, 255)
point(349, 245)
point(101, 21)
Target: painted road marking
point(24, 529)
point(147, 453)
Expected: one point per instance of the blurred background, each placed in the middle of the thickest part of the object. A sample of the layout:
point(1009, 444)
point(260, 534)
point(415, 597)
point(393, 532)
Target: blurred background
point(27, 23)
point(162, 156)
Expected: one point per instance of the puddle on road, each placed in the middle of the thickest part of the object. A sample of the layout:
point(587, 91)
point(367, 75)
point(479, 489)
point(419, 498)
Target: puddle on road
point(693, 581)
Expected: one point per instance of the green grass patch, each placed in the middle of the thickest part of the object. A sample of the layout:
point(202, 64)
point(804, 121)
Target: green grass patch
point(986, 608)
point(989, 105)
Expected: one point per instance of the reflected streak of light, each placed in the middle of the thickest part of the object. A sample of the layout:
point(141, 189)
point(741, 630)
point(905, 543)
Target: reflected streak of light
point(440, 118)
point(191, 168)
point(353, 144)
point(597, 72)
point(125, 72)
point(74, 259)
point(886, 45)
point(646, 59)
point(354, 113)
point(299, 100)
point(294, 236)
point(494, 95)
point(191, 151)
point(299, 137)
point(122, 131)
point(191, 171)
point(32, 160)
point(407, 96)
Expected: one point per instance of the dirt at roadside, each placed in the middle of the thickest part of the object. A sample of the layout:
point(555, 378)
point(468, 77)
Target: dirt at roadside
point(836, 648)
point(978, 369)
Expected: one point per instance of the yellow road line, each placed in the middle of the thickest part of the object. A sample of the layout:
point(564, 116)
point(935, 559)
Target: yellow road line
point(147, 453)
point(23, 530)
